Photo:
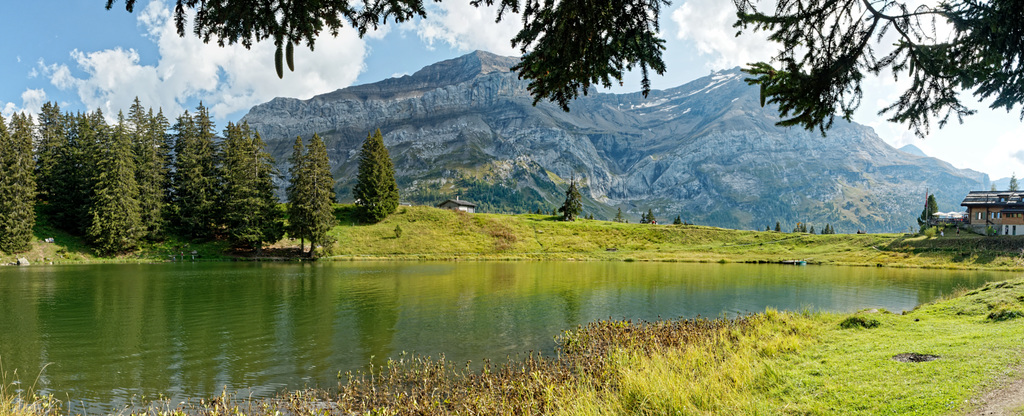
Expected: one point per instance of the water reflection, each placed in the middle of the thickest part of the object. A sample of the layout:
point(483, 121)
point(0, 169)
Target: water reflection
point(111, 332)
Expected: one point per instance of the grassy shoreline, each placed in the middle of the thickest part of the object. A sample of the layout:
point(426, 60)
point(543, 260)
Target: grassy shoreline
point(435, 234)
point(768, 363)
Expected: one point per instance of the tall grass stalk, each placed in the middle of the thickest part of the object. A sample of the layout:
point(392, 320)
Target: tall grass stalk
point(17, 402)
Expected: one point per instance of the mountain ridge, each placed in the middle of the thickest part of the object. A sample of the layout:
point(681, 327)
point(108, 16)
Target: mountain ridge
point(706, 150)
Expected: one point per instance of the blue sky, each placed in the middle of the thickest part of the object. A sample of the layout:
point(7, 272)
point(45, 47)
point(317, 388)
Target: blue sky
point(76, 53)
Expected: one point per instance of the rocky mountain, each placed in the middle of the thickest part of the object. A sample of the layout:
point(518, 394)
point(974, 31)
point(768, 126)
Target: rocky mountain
point(706, 151)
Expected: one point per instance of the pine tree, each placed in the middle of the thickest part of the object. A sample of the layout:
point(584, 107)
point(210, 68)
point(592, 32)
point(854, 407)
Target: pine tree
point(812, 229)
point(1013, 182)
point(678, 220)
point(115, 224)
point(618, 216)
point(650, 217)
point(196, 182)
point(17, 185)
point(643, 218)
point(778, 227)
point(250, 211)
point(376, 192)
point(151, 155)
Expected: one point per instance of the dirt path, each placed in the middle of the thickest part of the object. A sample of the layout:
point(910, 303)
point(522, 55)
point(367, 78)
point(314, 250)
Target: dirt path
point(1006, 400)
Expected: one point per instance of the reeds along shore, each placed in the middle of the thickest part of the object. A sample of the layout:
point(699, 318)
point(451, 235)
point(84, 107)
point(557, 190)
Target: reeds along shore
point(768, 363)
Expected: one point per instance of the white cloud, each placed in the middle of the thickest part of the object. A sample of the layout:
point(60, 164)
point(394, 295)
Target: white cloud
point(227, 79)
point(467, 28)
point(31, 102)
point(8, 109)
point(708, 25)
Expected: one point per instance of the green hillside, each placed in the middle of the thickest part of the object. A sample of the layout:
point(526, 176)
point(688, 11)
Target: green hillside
point(433, 234)
point(429, 233)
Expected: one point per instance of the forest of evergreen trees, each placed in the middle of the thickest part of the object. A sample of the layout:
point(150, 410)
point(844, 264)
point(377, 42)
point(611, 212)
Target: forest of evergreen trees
point(142, 178)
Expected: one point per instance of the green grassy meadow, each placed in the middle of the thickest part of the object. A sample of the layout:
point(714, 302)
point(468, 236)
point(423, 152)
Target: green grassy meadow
point(428, 233)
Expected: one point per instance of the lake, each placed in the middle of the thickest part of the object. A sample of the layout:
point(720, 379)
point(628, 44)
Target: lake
point(109, 333)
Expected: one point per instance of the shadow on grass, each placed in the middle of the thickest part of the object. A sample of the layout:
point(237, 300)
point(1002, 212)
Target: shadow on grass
point(346, 214)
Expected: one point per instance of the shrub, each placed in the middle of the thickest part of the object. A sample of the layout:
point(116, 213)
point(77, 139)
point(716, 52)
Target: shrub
point(858, 321)
point(1004, 313)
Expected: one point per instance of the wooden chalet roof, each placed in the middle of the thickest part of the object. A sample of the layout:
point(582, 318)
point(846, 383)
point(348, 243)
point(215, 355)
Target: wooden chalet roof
point(1002, 199)
point(458, 202)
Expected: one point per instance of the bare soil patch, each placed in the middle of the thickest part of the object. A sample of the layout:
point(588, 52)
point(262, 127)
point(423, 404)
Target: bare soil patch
point(1007, 399)
point(913, 357)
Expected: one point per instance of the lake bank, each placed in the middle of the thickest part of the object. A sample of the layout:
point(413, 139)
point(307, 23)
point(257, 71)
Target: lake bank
point(432, 234)
point(868, 362)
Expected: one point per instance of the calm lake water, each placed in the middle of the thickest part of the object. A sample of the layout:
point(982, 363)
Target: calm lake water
point(107, 333)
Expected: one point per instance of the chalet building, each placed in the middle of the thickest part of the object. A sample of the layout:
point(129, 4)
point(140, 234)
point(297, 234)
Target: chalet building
point(1001, 210)
point(466, 206)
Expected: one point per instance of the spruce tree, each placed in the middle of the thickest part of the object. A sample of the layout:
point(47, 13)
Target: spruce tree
point(298, 187)
point(678, 220)
point(53, 143)
point(812, 229)
point(151, 154)
point(75, 175)
point(376, 192)
point(321, 195)
point(311, 195)
point(573, 204)
point(116, 224)
point(650, 217)
point(251, 216)
point(618, 216)
point(778, 226)
point(17, 185)
point(196, 182)
point(930, 208)
point(1014, 186)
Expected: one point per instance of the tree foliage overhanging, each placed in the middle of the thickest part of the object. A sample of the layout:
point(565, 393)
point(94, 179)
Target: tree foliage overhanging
point(568, 45)
point(829, 46)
